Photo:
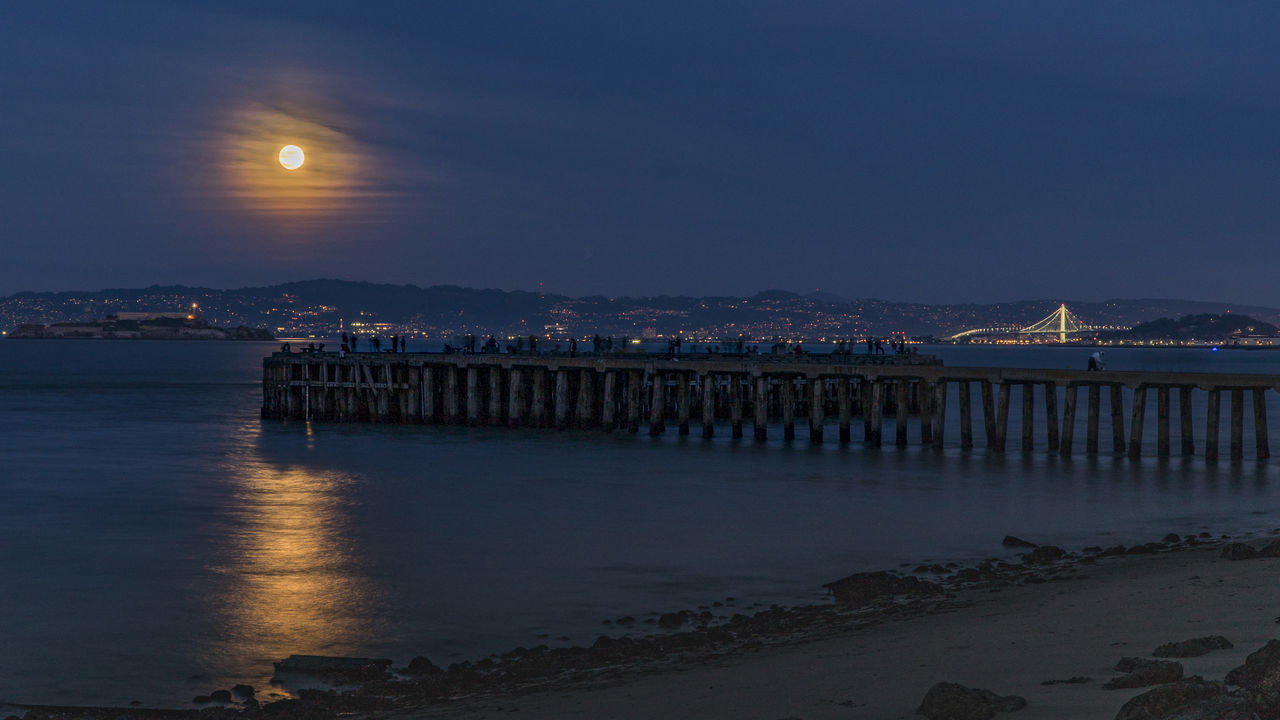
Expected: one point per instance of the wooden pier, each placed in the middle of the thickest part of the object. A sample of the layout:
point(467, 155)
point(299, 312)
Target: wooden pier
point(631, 392)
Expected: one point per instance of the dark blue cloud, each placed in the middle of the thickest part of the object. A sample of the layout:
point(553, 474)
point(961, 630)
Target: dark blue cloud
point(933, 151)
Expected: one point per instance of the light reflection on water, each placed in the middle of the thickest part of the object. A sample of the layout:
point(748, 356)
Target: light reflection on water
point(292, 585)
point(159, 541)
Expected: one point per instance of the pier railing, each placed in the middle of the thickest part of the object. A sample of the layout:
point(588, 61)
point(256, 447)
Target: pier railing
point(891, 393)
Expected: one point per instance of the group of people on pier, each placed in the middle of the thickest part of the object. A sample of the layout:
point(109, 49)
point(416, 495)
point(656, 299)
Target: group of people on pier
point(601, 345)
point(351, 343)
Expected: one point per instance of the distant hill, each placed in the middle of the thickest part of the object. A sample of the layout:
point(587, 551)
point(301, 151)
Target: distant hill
point(1201, 327)
point(322, 307)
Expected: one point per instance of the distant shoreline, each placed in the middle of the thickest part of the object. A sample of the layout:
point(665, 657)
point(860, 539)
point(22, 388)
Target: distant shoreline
point(157, 329)
point(147, 339)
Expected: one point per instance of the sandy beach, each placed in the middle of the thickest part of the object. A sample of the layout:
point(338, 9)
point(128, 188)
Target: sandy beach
point(1009, 641)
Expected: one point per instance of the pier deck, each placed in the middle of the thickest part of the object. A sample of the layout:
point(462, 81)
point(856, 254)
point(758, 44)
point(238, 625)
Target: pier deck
point(631, 392)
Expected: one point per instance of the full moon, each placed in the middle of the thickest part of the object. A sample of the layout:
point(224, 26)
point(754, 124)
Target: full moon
point(291, 157)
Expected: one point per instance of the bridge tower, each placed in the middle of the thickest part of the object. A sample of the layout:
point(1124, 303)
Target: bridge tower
point(1060, 322)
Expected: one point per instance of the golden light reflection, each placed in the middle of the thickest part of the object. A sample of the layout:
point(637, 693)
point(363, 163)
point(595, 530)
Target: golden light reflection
point(292, 587)
point(336, 177)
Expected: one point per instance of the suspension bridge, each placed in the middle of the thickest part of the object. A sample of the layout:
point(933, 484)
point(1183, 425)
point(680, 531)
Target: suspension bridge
point(1061, 322)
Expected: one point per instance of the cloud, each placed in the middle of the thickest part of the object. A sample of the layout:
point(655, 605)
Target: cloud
point(337, 177)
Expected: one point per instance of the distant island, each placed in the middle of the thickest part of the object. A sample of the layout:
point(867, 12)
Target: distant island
point(139, 326)
point(1219, 328)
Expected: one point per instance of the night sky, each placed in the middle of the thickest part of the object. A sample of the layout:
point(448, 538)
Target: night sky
point(948, 151)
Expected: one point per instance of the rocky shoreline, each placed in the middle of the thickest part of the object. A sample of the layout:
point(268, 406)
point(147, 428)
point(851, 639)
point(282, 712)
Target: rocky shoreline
point(370, 688)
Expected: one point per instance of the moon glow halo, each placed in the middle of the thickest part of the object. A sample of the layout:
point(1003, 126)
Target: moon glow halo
point(291, 157)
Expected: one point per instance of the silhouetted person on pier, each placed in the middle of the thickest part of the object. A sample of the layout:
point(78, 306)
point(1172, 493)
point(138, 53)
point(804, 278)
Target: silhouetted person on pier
point(870, 346)
point(448, 349)
point(345, 340)
point(533, 344)
point(376, 343)
point(1095, 361)
point(879, 347)
point(355, 339)
point(573, 347)
point(401, 343)
point(285, 348)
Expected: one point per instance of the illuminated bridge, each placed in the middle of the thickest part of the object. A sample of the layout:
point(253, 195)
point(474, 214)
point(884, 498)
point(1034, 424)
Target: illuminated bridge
point(1060, 322)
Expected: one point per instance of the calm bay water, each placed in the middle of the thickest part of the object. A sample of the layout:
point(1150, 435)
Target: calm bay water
point(158, 540)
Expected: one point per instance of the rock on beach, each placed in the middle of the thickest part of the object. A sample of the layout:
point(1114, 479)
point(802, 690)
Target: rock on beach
point(1191, 699)
point(1244, 551)
point(864, 587)
point(952, 701)
point(1259, 677)
point(1193, 648)
point(1044, 554)
point(334, 667)
point(1142, 672)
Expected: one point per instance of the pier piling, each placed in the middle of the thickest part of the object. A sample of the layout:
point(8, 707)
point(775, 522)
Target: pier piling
point(816, 416)
point(760, 408)
point(1211, 431)
point(1051, 415)
point(939, 406)
point(1162, 421)
point(1070, 392)
point(901, 406)
point(1237, 425)
point(788, 408)
point(1002, 417)
point(844, 402)
point(708, 406)
point(1091, 432)
point(1028, 392)
point(1117, 419)
point(1261, 442)
point(1184, 421)
point(1138, 421)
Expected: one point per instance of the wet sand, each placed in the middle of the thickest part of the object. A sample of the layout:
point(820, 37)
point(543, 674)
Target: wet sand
point(1008, 641)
